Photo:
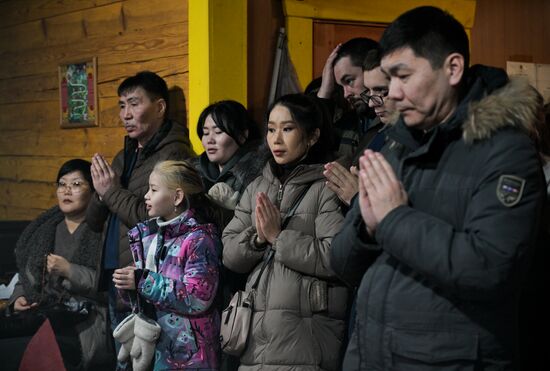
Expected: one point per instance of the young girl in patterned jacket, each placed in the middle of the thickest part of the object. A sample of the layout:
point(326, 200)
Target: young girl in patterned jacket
point(177, 258)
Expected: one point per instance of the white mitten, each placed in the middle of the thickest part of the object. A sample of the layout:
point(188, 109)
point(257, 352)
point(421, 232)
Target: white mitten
point(223, 195)
point(146, 333)
point(124, 334)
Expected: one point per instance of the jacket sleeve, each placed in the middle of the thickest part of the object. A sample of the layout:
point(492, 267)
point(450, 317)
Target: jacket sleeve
point(81, 279)
point(308, 254)
point(18, 291)
point(195, 290)
point(481, 260)
point(353, 251)
point(239, 251)
point(129, 208)
point(96, 214)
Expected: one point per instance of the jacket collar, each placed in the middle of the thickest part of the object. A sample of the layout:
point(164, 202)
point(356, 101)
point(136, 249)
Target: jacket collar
point(212, 172)
point(182, 224)
point(301, 174)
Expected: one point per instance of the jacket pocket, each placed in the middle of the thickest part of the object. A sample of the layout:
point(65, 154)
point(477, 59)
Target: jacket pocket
point(412, 350)
point(179, 338)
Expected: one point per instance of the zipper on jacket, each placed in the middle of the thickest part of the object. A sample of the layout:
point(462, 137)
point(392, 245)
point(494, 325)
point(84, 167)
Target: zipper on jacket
point(280, 194)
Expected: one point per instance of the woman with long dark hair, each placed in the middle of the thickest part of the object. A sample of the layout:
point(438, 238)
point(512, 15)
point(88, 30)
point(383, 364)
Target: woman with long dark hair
point(298, 320)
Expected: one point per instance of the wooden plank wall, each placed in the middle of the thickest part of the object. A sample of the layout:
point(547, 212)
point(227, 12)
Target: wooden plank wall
point(511, 30)
point(265, 18)
point(126, 36)
point(504, 30)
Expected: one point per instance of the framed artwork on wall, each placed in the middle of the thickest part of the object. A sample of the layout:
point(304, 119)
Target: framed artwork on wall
point(78, 93)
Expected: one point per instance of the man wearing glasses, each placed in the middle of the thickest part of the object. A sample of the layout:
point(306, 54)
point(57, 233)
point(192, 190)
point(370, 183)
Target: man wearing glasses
point(447, 216)
point(376, 89)
point(341, 180)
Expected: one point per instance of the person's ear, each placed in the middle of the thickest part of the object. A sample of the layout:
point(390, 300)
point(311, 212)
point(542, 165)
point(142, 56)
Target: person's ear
point(161, 107)
point(179, 197)
point(243, 137)
point(454, 66)
point(314, 137)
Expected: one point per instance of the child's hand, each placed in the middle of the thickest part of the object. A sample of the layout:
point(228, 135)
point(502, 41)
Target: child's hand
point(124, 278)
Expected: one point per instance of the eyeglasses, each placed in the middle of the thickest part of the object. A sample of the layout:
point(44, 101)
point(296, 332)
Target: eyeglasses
point(377, 99)
point(75, 187)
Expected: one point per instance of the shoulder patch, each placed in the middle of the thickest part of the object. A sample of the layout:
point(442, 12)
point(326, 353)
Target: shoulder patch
point(510, 189)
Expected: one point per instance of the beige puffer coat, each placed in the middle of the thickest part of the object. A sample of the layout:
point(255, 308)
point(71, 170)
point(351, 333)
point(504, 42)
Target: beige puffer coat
point(290, 328)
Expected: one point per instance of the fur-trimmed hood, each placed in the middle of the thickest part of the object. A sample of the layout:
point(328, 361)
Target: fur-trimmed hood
point(491, 102)
point(514, 105)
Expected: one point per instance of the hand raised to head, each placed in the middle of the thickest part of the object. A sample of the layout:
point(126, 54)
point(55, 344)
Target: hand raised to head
point(328, 83)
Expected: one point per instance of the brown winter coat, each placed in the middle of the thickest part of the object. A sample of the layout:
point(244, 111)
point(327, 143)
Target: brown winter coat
point(170, 143)
point(286, 332)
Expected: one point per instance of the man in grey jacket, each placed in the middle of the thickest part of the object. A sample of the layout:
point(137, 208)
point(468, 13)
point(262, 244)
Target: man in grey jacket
point(447, 213)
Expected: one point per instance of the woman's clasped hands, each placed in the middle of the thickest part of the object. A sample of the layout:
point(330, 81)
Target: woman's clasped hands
point(268, 220)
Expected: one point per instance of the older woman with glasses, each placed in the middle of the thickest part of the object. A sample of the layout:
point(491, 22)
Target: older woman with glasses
point(57, 257)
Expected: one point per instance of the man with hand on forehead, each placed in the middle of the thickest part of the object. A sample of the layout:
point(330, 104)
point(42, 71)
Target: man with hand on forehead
point(448, 212)
point(342, 68)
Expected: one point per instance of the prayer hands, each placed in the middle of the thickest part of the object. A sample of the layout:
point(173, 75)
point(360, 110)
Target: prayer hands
point(268, 219)
point(103, 175)
point(341, 181)
point(379, 189)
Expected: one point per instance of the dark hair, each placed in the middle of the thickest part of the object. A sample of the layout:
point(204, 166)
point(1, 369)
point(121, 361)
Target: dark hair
point(372, 60)
point(430, 32)
point(76, 165)
point(153, 84)
point(309, 114)
point(232, 118)
point(337, 95)
point(356, 49)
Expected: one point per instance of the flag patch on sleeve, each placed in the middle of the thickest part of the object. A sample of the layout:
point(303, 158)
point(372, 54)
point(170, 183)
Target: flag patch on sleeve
point(510, 189)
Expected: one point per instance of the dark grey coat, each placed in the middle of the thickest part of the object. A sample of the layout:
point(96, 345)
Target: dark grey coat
point(439, 284)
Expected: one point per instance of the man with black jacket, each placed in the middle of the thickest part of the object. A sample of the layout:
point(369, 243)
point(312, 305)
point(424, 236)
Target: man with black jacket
point(447, 213)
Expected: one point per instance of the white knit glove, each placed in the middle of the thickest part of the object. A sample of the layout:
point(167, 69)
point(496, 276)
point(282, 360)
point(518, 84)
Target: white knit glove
point(124, 334)
point(146, 333)
point(223, 195)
